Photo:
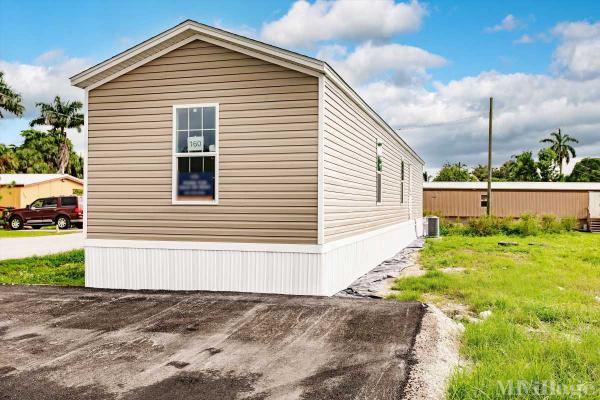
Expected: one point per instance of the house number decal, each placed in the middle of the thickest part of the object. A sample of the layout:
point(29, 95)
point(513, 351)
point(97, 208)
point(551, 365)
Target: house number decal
point(196, 143)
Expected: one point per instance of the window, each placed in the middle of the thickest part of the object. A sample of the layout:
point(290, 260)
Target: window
point(196, 154)
point(68, 201)
point(37, 204)
point(379, 170)
point(402, 182)
point(484, 200)
point(50, 202)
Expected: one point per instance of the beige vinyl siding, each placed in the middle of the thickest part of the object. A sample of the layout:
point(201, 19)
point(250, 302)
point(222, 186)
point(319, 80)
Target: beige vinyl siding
point(268, 118)
point(350, 138)
point(416, 190)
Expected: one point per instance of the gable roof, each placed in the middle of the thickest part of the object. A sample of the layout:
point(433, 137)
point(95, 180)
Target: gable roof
point(513, 185)
point(190, 30)
point(32, 179)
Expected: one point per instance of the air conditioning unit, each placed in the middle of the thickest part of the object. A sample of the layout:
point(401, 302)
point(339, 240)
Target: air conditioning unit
point(432, 226)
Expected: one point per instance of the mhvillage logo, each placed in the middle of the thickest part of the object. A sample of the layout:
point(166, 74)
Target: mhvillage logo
point(546, 389)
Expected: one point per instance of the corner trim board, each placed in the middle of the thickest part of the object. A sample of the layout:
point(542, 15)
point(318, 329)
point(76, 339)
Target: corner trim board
point(321, 164)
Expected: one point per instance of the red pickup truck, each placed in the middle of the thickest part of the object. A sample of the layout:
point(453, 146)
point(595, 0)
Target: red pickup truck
point(62, 211)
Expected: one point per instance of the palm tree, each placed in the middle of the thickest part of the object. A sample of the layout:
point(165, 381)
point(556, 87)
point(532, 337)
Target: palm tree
point(9, 100)
point(559, 143)
point(61, 116)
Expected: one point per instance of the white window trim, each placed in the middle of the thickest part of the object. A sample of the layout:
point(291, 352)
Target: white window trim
point(402, 181)
point(380, 173)
point(174, 157)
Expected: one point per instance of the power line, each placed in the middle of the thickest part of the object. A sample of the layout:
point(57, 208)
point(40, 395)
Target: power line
point(439, 123)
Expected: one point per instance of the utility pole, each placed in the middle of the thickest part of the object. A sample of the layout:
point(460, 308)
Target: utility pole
point(489, 183)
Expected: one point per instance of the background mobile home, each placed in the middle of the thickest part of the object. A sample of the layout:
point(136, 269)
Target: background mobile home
point(20, 190)
point(462, 200)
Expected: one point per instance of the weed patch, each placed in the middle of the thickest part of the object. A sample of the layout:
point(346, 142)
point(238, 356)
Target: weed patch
point(545, 316)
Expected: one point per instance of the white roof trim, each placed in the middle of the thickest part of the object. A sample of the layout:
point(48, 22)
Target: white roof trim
point(514, 185)
point(241, 44)
point(208, 32)
point(32, 179)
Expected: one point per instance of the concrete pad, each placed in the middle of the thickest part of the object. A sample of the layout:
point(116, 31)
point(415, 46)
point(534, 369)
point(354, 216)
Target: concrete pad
point(40, 245)
point(75, 343)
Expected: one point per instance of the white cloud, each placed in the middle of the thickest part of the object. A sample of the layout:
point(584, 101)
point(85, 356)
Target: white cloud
point(449, 123)
point(40, 83)
point(49, 56)
point(578, 53)
point(527, 39)
point(356, 20)
point(399, 63)
point(509, 23)
point(242, 30)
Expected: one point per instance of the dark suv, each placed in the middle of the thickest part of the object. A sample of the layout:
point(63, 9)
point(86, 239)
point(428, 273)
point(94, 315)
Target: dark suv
point(62, 211)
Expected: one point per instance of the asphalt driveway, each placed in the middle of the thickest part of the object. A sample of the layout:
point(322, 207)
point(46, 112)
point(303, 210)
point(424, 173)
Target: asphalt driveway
point(75, 343)
point(39, 246)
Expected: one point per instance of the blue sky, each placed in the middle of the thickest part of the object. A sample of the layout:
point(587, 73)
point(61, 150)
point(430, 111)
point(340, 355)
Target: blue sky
point(458, 37)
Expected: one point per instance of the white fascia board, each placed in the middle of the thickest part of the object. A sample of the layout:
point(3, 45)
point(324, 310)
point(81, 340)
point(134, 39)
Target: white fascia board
point(215, 36)
point(103, 66)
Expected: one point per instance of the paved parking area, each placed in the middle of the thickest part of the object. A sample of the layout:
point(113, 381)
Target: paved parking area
point(39, 246)
point(76, 343)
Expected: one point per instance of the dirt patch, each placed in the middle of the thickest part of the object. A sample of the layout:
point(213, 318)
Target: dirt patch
point(196, 318)
point(273, 322)
point(374, 330)
point(452, 270)
point(198, 385)
point(34, 385)
point(6, 370)
point(334, 383)
point(414, 270)
point(160, 345)
point(178, 364)
point(115, 314)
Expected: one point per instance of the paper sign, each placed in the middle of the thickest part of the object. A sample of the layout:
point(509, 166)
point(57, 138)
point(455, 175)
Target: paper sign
point(196, 184)
point(195, 143)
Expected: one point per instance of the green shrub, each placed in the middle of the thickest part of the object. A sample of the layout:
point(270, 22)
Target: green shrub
point(528, 225)
point(483, 226)
point(435, 213)
point(454, 229)
point(506, 225)
point(550, 224)
point(569, 223)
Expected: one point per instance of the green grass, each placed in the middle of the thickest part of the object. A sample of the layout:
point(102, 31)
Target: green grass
point(57, 269)
point(545, 303)
point(6, 233)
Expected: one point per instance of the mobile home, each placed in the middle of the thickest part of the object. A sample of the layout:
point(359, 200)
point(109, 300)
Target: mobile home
point(20, 190)
point(217, 162)
point(462, 200)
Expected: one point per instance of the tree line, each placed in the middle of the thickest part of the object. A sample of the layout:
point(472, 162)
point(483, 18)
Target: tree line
point(524, 167)
point(42, 151)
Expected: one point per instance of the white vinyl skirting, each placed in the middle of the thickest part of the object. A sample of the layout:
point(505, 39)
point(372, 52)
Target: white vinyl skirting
point(263, 268)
